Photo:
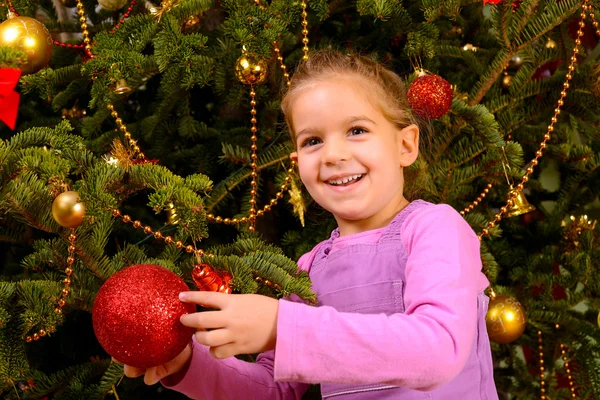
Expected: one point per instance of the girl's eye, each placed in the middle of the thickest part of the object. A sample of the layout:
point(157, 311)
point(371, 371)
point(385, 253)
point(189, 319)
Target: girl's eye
point(356, 131)
point(313, 141)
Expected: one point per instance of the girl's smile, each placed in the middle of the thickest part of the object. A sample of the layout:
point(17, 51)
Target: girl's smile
point(350, 157)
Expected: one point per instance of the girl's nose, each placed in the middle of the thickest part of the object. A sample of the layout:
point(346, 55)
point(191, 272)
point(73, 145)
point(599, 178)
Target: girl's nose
point(335, 151)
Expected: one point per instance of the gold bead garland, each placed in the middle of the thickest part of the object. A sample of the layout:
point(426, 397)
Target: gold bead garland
point(563, 352)
point(286, 75)
point(593, 17)
point(86, 34)
point(542, 368)
point(123, 128)
point(304, 31)
point(477, 201)
point(65, 292)
point(538, 154)
point(253, 158)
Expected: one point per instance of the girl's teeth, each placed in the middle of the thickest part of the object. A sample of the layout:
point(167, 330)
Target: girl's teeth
point(345, 180)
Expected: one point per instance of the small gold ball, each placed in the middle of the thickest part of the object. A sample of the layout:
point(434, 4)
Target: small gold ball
point(250, 70)
point(42, 332)
point(137, 224)
point(506, 81)
point(68, 211)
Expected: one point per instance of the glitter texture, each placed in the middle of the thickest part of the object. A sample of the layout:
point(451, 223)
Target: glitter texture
point(430, 96)
point(136, 316)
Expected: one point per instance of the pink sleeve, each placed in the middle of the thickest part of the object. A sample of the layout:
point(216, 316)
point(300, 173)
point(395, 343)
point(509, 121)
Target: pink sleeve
point(423, 348)
point(231, 378)
point(209, 378)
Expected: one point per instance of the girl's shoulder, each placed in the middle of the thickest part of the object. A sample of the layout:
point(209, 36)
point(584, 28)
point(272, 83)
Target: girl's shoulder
point(427, 217)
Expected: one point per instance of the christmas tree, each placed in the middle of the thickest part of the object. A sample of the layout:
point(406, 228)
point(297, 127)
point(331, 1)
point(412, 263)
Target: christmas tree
point(150, 133)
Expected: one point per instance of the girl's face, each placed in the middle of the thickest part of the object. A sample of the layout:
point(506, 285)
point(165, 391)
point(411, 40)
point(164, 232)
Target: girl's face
point(350, 157)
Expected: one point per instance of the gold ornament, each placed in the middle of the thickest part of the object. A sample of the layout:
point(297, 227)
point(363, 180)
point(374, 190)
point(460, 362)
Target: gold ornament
point(550, 44)
point(505, 319)
point(69, 3)
point(172, 217)
point(250, 70)
point(520, 204)
point(190, 24)
point(470, 47)
point(68, 210)
point(122, 87)
point(516, 61)
point(297, 201)
point(30, 36)
point(112, 5)
point(575, 227)
point(165, 6)
point(506, 81)
point(73, 112)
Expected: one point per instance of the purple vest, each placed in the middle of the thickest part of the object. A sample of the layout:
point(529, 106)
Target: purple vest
point(339, 281)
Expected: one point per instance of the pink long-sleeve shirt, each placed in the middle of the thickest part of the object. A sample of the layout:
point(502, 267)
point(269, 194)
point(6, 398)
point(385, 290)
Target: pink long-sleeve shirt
point(401, 315)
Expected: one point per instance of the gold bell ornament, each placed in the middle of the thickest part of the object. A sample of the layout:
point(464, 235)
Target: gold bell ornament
point(250, 70)
point(520, 204)
point(122, 87)
point(30, 36)
point(68, 211)
point(505, 319)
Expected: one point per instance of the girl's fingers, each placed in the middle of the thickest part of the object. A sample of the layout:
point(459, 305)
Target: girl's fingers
point(224, 351)
point(133, 372)
point(151, 376)
point(217, 337)
point(206, 299)
point(203, 320)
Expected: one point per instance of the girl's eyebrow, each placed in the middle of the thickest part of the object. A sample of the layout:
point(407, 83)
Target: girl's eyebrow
point(307, 131)
point(353, 119)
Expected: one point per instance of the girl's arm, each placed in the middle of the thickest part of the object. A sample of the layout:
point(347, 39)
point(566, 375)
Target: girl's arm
point(209, 378)
point(423, 348)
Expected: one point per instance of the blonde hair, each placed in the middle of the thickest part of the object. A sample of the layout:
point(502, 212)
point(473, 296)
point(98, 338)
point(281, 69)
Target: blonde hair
point(389, 89)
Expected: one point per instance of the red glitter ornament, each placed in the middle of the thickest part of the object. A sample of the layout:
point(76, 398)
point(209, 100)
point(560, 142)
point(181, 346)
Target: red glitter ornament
point(430, 96)
point(136, 316)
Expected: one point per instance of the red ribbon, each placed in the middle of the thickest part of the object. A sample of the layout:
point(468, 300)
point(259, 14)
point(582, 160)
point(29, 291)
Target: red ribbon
point(9, 99)
point(491, 1)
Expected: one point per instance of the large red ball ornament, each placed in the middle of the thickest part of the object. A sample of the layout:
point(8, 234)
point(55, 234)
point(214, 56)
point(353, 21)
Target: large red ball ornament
point(430, 96)
point(136, 316)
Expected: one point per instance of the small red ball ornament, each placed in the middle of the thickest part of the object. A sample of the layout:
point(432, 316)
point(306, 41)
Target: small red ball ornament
point(136, 316)
point(430, 96)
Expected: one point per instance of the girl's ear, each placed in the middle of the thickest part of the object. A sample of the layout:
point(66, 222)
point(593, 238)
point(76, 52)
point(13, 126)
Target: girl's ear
point(294, 156)
point(409, 145)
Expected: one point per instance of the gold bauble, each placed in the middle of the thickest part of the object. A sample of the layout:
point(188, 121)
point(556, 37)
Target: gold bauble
point(550, 44)
point(250, 70)
point(112, 5)
point(30, 36)
point(505, 319)
point(68, 210)
point(506, 81)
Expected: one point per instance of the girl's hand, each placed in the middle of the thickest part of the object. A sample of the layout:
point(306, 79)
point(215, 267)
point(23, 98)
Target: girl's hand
point(155, 374)
point(243, 323)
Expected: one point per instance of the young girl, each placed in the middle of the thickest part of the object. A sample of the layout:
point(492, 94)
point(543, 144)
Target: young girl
point(401, 312)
